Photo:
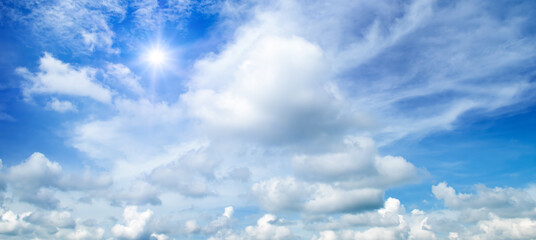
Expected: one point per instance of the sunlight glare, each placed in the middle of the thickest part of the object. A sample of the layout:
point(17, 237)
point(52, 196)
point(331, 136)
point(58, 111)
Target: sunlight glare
point(156, 57)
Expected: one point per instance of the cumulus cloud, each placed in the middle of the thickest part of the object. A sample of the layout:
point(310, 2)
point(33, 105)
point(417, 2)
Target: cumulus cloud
point(135, 223)
point(283, 194)
point(389, 222)
point(504, 202)
point(36, 179)
point(12, 223)
point(289, 85)
point(61, 106)
point(267, 228)
point(222, 222)
point(271, 81)
point(46, 225)
point(159, 236)
point(256, 79)
point(81, 232)
point(56, 77)
point(357, 164)
point(355, 183)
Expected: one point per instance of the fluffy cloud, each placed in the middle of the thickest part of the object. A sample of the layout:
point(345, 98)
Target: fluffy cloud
point(56, 77)
point(47, 225)
point(222, 222)
point(267, 228)
point(357, 164)
point(355, 183)
point(390, 222)
point(36, 179)
point(12, 223)
point(256, 81)
point(277, 194)
point(61, 106)
point(159, 236)
point(81, 233)
point(275, 82)
point(504, 202)
point(135, 223)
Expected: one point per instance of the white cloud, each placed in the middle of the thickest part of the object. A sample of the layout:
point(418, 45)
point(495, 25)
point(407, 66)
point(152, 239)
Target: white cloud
point(267, 228)
point(504, 202)
point(12, 223)
point(275, 82)
point(124, 135)
point(56, 77)
point(277, 194)
point(358, 164)
point(153, 15)
point(36, 180)
point(81, 26)
point(61, 106)
point(159, 236)
point(389, 215)
point(516, 228)
point(135, 223)
point(356, 47)
point(80, 232)
point(356, 183)
point(390, 222)
point(139, 193)
point(222, 222)
point(125, 77)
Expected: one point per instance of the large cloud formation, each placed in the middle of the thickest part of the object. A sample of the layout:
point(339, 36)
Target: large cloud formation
point(285, 117)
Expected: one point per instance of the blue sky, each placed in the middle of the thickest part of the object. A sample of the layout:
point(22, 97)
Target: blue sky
point(282, 119)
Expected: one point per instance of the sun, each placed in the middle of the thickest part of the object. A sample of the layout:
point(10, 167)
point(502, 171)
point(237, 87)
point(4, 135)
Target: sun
point(156, 57)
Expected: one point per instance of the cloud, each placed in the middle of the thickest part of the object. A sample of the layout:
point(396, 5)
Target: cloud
point(152, 15)
point(390, 67)
point(358, 164)
point(46, 225)
point(36, 180)
point(159, 236)
point(386, 216)
point(56, 77)
point(504, 202)
point(271, 81)
point(517, 228)
point(356, 183)
point(81, 26)
point(6, 117)
point(61, 106)
point(123, 136)
point(289, 194)
point(222, 222)
point(125, 77)
point(81, 232)
point(135, 223)
point(267, 228)
point(188, 175)
point(11, 223)
point(139, 193)
point(390, 222)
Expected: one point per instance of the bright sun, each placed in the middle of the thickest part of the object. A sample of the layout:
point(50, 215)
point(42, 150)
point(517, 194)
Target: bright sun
point(156, 57)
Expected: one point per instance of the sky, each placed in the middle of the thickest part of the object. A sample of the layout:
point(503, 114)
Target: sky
point(280, 119)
